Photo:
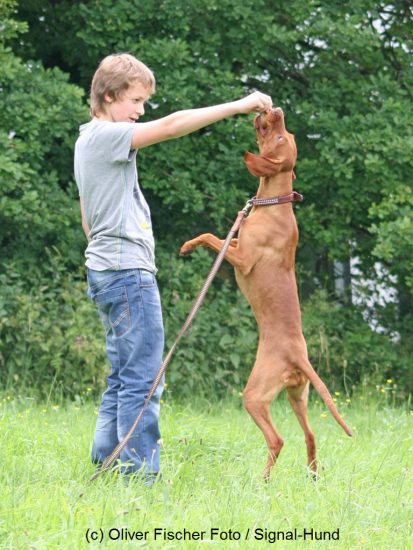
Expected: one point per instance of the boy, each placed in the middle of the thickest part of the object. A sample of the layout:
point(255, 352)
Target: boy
point(120, 253)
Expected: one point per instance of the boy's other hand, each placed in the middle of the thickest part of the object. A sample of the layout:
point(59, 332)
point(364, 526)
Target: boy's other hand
point(254, 103)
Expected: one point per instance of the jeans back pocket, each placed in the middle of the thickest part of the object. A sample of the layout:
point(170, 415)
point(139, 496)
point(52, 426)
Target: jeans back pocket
point(114, 307)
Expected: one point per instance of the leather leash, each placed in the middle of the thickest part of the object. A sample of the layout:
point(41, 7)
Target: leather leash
point(242, 214)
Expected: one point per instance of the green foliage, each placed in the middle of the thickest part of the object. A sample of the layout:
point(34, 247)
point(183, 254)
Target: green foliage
point(217, 354)
point(50, 337)
point(341, 70)
point(347, 353)
point(10, 28)
point(394, 230)
point(40, 115)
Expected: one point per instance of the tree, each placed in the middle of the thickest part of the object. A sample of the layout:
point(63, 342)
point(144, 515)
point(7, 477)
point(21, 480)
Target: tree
point(342, 71)
point(37, 210)
point(40, 234)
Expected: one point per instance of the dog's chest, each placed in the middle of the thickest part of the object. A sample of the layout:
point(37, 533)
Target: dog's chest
point(273, 231)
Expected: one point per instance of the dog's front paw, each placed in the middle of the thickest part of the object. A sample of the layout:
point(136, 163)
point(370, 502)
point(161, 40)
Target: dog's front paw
point(187, 249)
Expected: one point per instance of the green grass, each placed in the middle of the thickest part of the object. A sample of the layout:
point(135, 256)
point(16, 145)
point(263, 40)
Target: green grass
point(212, 461)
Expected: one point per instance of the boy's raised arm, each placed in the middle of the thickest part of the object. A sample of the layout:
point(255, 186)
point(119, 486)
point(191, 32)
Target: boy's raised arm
point(182, 123)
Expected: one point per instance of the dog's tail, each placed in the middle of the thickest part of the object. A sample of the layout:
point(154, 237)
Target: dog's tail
point(325, 395)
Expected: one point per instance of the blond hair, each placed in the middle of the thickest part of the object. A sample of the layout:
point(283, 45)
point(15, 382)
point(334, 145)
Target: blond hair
point(115, 74)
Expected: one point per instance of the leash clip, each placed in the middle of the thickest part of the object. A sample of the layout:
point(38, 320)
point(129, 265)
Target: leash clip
point(248, 206)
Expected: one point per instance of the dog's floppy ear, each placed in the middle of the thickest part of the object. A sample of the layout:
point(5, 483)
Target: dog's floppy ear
point(261, 166)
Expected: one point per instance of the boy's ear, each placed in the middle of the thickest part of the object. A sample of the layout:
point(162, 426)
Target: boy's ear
point(108, 98)
point(261, 166)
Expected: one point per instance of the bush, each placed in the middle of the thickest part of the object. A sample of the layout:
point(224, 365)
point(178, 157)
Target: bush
point(347, 353)
point(217, 354)
point(51, 338)
point(38, 198)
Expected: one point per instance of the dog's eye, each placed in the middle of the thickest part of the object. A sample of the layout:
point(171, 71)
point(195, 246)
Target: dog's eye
point(280, 138)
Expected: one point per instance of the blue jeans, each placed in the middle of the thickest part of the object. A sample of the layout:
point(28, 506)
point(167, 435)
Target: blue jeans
point(130, 308)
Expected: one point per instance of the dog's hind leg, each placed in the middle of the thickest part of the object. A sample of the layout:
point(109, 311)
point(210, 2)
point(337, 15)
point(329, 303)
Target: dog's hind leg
point(298, 397)
point(258, 397)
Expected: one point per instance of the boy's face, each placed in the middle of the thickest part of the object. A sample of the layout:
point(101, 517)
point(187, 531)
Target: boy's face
point(128, 107)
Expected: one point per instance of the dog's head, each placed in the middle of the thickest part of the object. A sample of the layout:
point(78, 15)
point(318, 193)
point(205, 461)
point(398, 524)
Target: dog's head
point(278, 151)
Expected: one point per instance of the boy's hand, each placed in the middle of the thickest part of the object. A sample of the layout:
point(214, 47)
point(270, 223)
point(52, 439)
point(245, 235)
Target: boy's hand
point(255, 102)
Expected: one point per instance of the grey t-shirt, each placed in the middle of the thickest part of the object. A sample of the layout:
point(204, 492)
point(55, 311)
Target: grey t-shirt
point(116, 211)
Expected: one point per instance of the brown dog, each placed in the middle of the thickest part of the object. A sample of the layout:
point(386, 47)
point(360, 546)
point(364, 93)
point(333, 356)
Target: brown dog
point(264, 258)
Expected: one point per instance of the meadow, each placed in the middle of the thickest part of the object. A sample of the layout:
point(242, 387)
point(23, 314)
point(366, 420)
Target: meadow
point(211, 494)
